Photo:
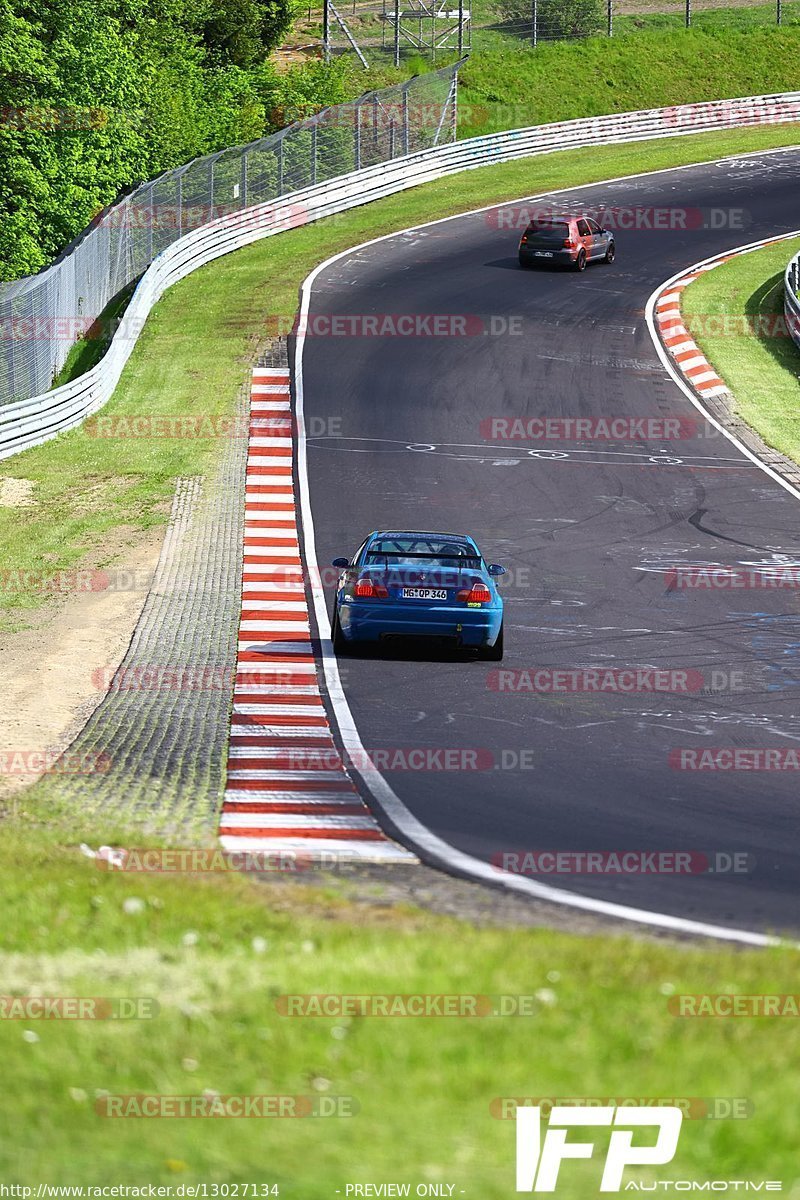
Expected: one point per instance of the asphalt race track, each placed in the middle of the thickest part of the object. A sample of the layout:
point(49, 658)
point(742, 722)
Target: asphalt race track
point(589, 531)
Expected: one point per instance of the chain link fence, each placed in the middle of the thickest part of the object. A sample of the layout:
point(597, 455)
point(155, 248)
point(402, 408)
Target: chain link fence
point(398, 29)
point(42, 316)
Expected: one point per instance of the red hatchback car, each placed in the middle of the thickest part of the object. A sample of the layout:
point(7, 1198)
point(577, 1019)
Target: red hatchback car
point(565, 241)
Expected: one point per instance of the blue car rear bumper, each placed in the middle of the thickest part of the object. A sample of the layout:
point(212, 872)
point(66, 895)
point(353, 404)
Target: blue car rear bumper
point(371, 620)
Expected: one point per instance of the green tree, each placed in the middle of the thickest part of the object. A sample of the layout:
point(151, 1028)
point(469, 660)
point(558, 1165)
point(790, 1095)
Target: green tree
point(241, 32)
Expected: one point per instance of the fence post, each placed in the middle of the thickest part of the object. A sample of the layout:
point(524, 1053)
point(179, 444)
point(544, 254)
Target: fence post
point(326, 22)
point(779, 12)
point(357, 134)
point(10, 364)
point(211, 166)
point(610, 18)
point(406, 138)
point(460, 29)
point(313, 154)
point(534, 21)
point(180, 204)
point(243, 182)
point(391, 138)
point(397, 33)
point(150, 223)
point(688, 13)
point(280, 167)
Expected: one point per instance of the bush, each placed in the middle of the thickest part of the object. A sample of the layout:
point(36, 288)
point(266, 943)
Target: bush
point(555, 18)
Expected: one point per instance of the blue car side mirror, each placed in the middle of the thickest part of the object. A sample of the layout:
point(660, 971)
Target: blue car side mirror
point(496, 569)
point(341, 562)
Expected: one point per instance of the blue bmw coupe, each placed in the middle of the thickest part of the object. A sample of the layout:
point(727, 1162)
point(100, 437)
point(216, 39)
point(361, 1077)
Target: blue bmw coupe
point(418, 585)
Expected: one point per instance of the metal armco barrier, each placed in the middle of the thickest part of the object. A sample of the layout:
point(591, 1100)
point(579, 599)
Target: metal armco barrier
point(791, 299)
point(43, 315)
point(27, 423)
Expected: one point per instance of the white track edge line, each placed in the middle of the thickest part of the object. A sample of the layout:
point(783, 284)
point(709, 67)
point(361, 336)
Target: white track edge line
point(673, 370)
point(418, 834)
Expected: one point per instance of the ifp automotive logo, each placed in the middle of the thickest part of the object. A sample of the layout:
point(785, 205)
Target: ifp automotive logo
point(539, 1160)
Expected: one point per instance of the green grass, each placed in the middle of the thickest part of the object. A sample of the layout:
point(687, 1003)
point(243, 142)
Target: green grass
point(196, 348)
point(600, 1027)
point(197, 946)
point(88, 350)
point(743, 17)
point(759, 362)
point(507, 84)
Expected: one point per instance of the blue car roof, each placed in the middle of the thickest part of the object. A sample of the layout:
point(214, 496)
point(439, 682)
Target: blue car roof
point(423, 533)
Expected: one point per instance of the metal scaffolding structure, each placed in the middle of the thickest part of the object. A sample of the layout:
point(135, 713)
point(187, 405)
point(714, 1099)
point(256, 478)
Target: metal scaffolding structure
point(429, 26)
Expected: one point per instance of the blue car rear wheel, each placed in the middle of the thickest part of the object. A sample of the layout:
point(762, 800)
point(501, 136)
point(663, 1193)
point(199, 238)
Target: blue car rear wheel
point(495, 653)
point(340, 646)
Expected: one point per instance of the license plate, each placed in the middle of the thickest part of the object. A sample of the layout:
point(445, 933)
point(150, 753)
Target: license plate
point(423, 593)
point(543, 254)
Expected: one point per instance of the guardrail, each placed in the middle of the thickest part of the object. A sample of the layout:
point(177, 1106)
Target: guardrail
point(791, 299)
point(27, 423)
point(43, 315)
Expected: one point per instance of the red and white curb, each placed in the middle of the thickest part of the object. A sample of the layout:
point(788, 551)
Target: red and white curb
point(686, 355)
point(681, 346)
point(287, 788)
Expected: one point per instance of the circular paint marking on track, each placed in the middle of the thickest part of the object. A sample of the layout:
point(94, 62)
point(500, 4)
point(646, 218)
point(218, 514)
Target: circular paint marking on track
point(410, 829)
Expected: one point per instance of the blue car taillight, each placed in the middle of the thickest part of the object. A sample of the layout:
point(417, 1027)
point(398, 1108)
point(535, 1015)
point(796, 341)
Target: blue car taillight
point(368, 589)
point(477, 594)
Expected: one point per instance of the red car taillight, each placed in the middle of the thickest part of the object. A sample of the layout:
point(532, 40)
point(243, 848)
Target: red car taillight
point(569, 244)
point(368, 589)
point(477, 594)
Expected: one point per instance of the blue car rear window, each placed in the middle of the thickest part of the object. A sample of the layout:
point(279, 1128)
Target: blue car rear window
point(423, 548)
